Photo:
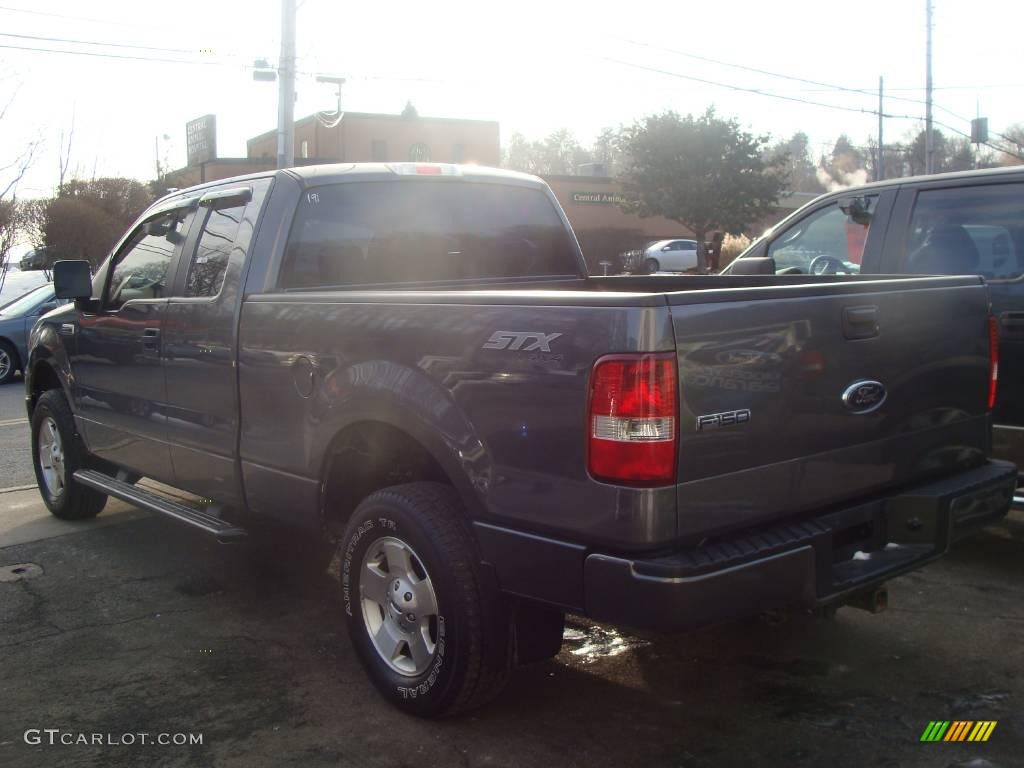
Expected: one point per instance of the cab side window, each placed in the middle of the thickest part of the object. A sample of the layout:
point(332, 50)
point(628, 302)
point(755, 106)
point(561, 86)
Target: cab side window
point(140, 269)
point(827, 242)
point(968, 230)
point(206, 272)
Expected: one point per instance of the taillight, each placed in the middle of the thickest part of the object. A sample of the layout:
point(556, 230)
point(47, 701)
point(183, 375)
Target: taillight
point(633, 428)
point(993, 360)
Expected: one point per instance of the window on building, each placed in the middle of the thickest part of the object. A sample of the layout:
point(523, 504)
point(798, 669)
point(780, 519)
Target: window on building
point(206, 272)
point(424, 231)
point(140, 269)
point(379, 151)
point(305, 149)
point(968, 230)
point(459, 153)
point(419, 153)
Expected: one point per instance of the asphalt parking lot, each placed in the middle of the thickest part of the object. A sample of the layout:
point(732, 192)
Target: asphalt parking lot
point(133, 624)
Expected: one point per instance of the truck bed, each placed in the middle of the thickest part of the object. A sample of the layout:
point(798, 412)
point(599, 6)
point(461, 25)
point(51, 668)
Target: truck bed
point(426, 360)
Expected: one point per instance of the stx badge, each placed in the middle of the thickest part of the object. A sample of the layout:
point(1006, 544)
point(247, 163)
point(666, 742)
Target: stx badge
point(521, 341)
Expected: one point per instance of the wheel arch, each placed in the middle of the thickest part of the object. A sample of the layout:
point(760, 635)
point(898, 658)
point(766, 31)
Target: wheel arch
point(377, 451)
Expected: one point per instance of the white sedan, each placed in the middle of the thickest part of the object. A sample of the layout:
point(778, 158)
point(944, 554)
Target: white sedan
point(670, 256)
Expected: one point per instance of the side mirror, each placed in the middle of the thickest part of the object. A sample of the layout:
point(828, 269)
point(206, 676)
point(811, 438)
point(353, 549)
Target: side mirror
point(753, 265)
point(666, 248)
point(72, 280)
point(857, 208)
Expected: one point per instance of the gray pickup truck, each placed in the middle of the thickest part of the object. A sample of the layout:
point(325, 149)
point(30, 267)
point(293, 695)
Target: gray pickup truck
point(409, 364)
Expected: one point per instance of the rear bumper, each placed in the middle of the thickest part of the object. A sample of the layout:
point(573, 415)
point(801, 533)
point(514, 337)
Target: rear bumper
point(813, 561)
point(1008, 444)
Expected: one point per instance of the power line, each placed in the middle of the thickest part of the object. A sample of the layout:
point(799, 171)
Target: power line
point(71, 18)
point(809, 102)
point(121, 56)
point(96, 42)
point(827, 87)
point(744, 89)
point(769, 73)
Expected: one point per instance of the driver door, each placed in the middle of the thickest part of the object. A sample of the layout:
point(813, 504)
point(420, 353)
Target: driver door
point(119, 388)
point(828, 240)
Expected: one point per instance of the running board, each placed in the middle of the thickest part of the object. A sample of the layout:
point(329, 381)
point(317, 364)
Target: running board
point(145, 499)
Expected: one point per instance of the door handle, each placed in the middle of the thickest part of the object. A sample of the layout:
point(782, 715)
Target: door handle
point(860, 322)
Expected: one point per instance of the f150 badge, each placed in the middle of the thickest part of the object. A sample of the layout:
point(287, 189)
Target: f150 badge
point(525, 341)
point(725, 419)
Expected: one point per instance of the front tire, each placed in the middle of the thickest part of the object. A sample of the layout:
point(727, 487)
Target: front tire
point(57, 453)
point(430, 630)
point(651, 266)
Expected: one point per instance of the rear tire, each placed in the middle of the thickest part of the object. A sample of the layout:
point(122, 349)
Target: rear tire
point(8, 362)
point(432, 632)
point(57, 453)
point(651, 266)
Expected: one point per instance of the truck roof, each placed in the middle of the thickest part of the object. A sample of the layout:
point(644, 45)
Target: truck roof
point(981, 175)
point(331, 173)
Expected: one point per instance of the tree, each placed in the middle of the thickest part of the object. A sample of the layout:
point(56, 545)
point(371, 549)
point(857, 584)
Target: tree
point(607, 149)
point(795, 155)
point(557, 154)
point(844, 167)
point(410, 111)
point(86, 220)
point(1012, 145)
point(704, 172)
point(12, 219)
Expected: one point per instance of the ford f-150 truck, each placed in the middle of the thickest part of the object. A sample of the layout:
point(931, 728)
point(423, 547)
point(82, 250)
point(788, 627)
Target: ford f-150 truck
point(414, 355)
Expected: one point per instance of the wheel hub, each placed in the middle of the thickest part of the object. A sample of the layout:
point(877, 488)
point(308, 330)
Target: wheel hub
point(51, 456)
point(399, 606)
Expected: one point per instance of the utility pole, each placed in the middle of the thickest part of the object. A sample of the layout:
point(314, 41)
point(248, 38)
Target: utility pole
point(286, 91)
point(880, 170)
point(929, 139)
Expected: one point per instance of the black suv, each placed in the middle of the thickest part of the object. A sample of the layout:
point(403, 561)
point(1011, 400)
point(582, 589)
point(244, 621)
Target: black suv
point(947, 224)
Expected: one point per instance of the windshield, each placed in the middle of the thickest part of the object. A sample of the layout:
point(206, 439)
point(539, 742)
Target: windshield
point(24, 304)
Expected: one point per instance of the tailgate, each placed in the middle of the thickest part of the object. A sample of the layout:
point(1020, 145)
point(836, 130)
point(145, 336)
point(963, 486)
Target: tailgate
point(798, 397)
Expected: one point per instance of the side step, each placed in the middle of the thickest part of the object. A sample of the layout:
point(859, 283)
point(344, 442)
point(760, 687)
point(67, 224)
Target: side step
point(144, 499)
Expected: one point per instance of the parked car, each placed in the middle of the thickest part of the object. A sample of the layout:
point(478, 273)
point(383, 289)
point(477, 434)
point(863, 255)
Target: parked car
point(671, 256)
point(16, 320)
point(15, 283)
point(415, 355)
point(946, 224)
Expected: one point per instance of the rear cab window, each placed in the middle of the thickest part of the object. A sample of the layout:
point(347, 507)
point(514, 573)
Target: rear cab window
point(406, 231)
point(968, 230)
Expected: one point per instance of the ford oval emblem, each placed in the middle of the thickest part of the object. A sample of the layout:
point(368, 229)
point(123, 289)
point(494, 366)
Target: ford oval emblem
point(864, 396)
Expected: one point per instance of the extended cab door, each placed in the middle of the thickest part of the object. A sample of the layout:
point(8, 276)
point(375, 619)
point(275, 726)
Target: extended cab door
point(200, 344)
point(952, 227)
point(118, 387)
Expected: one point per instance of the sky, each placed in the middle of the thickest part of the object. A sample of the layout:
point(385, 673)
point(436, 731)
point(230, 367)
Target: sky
point(532, 66)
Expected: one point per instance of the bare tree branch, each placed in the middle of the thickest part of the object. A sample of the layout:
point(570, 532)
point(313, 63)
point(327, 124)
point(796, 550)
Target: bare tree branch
point(64, 155)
